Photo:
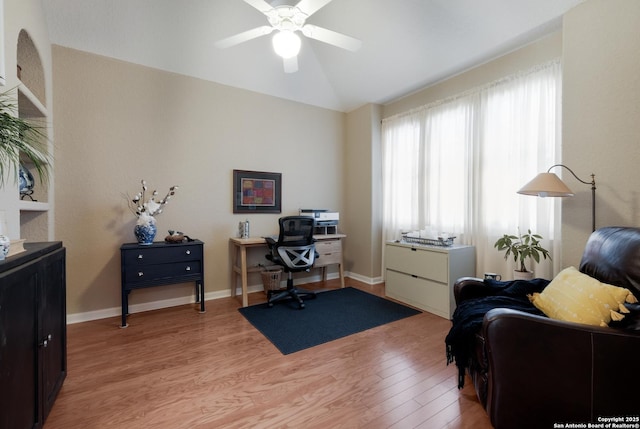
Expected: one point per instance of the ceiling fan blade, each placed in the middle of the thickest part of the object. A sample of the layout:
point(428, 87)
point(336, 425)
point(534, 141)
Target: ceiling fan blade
point(309, 7)
point(261, 5)
point(331, 37)
point(244, 36)
point(290, 64)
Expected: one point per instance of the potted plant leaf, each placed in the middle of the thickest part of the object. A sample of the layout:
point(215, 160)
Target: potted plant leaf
point(522, 247)
point(21, 139)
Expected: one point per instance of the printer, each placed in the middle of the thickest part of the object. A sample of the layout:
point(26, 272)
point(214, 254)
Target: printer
point(326, 220)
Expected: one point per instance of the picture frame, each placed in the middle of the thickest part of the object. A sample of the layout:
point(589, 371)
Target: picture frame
point(257, 192)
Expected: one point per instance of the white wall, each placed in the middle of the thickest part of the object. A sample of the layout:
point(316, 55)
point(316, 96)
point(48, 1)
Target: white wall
point(27, 15)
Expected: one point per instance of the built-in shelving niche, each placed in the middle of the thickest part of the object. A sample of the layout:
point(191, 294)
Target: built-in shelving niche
point(34, 215)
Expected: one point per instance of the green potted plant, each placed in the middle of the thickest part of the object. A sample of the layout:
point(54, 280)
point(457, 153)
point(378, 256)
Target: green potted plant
point(21, 139)
point(521, 247)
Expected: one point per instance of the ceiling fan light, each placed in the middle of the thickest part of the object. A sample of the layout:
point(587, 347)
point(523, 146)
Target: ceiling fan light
point(286, 43)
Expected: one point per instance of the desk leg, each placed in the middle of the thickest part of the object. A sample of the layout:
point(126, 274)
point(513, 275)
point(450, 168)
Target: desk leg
point(341, 274)
point(244, 276)
point(233, 257)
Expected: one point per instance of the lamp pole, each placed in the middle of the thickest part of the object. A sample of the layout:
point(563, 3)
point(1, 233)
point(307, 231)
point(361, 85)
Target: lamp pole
point(593, 191)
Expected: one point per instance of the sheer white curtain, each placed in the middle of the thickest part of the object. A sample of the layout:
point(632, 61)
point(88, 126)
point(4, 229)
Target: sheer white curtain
point(402, 174)
point(455, 166)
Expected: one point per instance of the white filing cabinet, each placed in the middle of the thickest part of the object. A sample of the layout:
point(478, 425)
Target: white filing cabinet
point(423, 276)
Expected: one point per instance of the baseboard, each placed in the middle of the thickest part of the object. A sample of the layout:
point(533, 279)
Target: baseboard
point(156, 305)
point(138, 308)
point(363, 279)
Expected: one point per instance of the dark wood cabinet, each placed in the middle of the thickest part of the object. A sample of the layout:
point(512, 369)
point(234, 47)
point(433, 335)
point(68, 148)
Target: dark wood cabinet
point(33, 339)
point(159, 264)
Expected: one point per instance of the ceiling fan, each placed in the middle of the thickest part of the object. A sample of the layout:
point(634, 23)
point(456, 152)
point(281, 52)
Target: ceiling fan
point(287, 20)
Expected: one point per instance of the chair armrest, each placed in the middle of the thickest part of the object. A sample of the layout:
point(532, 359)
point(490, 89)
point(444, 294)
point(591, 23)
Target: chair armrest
point(543, 371)
point(469, 287)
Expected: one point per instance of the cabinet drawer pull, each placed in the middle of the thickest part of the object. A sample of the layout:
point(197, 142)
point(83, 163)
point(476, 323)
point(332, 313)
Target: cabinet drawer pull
point(140, 274)
point(140, 256)
point(413, 249)
point(188, 269)
point(45, 342)
point(414, 276)
point(188, 252)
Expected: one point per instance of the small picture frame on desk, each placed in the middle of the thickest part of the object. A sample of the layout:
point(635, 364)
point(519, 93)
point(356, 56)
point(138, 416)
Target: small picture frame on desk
point(257, 192)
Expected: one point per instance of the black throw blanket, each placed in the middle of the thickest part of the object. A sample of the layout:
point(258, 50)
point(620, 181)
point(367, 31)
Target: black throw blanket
point(468, 316)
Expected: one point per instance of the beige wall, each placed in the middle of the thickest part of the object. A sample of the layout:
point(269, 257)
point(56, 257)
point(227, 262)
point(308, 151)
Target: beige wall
point(120, 123)
point(362, 186)
point(117, 123)
point(545, 49)
point(601, 117)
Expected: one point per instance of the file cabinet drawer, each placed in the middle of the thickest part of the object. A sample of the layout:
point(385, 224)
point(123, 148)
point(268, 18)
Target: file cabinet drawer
point(423, 276)
point(418, 262)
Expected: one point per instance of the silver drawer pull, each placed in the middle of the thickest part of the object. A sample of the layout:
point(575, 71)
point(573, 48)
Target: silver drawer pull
point(140, 274)
point(188, 252)
point(188, 268)
point(140, 256)
point(45, 342)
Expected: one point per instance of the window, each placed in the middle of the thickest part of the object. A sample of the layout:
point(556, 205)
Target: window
point(455, 166)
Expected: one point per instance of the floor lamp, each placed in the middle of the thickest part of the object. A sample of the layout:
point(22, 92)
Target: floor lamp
point(549, 185)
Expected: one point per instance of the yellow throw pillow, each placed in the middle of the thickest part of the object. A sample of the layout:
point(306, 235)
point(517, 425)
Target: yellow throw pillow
point(575, 297)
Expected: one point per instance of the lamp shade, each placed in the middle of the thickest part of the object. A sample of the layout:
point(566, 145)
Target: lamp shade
point(286, 43)
point(546, 185)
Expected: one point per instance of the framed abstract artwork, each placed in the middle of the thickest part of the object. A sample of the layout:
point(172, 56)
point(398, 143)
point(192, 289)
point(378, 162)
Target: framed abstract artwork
point(257, 192)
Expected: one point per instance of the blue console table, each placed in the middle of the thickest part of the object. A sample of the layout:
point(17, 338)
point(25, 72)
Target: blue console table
point(161, 263)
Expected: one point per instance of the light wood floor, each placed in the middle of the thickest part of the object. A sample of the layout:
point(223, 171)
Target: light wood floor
point(175, 368)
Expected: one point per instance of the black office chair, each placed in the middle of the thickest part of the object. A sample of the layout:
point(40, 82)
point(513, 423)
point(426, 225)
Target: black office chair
point(295, 251)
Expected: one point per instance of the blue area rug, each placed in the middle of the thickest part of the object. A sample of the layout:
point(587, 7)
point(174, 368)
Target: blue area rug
point(331, 315)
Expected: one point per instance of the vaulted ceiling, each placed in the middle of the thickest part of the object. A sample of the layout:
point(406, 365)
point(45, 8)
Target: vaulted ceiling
point(406, 44)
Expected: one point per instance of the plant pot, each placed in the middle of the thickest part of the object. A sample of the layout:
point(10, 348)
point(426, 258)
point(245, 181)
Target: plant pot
point(522, 275)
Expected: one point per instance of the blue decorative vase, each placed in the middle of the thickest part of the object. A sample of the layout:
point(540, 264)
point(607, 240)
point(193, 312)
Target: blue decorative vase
point(145, 230)
point(26, 182)
point(5, 243)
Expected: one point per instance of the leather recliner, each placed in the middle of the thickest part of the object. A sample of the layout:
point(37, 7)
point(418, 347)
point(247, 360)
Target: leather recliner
point(531, 371)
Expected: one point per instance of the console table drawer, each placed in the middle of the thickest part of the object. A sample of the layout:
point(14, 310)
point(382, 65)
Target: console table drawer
point(174, 270)
point(151, 255)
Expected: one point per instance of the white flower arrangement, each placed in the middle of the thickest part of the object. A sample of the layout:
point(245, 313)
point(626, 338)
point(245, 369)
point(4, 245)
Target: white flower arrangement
point(146, 210)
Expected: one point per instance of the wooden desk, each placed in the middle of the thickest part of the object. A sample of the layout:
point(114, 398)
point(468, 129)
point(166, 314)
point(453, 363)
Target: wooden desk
point(328, 246)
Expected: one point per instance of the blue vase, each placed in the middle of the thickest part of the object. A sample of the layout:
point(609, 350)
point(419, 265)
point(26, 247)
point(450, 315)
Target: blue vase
point(145, 232)
point(5, 243)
